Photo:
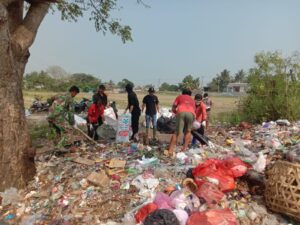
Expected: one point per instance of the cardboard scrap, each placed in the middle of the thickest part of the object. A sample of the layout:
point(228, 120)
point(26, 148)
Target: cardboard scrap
point(111, 172)
point(99, 179)
point(84, 161)
point(116, 163)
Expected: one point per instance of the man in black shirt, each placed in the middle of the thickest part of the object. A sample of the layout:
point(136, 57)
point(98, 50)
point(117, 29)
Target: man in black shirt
point(151, 103)
point(134, 108)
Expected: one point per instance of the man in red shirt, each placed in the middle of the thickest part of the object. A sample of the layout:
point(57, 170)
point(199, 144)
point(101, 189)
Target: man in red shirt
point(201, 115)
point(184, 107)
point(95, 112)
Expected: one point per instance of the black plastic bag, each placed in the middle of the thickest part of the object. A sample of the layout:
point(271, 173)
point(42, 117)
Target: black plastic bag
point(161, 217)
point(166, 125)
point(202, 138)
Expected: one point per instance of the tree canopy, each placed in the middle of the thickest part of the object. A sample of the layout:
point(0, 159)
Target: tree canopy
point(190, 82)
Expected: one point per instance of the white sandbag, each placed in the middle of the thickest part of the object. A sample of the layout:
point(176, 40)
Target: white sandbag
point(79, 120)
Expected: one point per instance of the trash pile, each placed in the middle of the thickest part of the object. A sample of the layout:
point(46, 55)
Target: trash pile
point(131, 183)
point(38, 106)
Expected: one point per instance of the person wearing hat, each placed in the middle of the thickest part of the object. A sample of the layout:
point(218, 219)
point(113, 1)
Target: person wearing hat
point(134, 108)
point(151, 103)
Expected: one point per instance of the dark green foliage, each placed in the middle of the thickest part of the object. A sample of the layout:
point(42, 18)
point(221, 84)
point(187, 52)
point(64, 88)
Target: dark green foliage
point(124, 82)
point(42, 81)
point(168, 87)
point(190, 82)
point(274, 88)
point(220, 82)
point(240, 77)
point(98, 11)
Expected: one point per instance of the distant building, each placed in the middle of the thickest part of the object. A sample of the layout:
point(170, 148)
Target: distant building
point(237, 87)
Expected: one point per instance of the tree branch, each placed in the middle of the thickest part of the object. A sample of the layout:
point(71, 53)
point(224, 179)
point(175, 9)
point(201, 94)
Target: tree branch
point(25, 34)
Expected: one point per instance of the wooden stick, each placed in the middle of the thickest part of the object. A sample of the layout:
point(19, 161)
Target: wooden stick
point(84, 134)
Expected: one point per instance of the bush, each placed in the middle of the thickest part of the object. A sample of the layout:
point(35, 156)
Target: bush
point(274, 91)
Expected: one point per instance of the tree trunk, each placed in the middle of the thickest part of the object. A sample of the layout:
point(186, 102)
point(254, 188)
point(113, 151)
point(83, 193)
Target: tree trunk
point(16, 164)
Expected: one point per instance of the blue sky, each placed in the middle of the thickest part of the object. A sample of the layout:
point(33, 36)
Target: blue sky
point(173, 38)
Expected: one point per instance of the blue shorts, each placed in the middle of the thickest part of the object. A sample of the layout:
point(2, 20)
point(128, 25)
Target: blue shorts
point(152, 119)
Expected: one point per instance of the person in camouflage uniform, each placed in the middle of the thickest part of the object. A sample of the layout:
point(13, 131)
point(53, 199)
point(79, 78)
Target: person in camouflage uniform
point(61, 116)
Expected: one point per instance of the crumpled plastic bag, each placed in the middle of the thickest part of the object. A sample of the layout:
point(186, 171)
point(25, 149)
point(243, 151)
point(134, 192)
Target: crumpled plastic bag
point(236, 166)
point(161, 217)
point(162, 201)
point(143, 212)
point(181, 215)
point(214, 171)
point(185, 199)
point(210, 193)
point(260, 164)
point(213, 217)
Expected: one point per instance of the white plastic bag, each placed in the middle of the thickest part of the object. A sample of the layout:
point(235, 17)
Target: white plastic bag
point(260, 164)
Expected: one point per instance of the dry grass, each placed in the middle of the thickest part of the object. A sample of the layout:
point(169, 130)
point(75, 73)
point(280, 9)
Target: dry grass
point(221, 104)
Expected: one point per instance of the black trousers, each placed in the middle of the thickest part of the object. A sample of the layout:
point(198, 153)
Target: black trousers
point(135, 117)
point(92, 131)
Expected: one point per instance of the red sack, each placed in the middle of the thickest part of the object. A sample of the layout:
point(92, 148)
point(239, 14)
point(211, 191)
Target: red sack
point(210, 193)
point(144, 212)
point(236, 166)
point(213, 170)
point(213, 217)
point(203, 169)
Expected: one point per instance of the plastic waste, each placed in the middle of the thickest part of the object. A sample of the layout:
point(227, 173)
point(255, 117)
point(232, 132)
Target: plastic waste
point(196, 125)
point(190, 184)
point(143, 212)
point(129, 219)
point(210, 193)
point(244, 153)
point(123, 131)
point(283, 122)
point(29, 220)
point(182, 157)
point(9, 216)
point(214, 171)
point(146, 162)
point(10, 196)
point(161, 217)
point(162, 201)
point(213, 217)
point(293, 155)
point(260, 164)
point(236, 166)
point(146, 186)
point(181, 215)
point(79, 120)
point(276, 144)
point(184, 199)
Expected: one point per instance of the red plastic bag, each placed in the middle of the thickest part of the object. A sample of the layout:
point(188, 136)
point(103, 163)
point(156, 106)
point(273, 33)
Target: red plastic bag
point(144, 212)
point(214, 171)
point(210, 193)
point(236, 166)
point(203, 169)
point(213, 217)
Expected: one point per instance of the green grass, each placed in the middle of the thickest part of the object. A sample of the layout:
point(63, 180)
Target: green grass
point(229, 118)
point(221, 104)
